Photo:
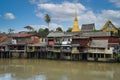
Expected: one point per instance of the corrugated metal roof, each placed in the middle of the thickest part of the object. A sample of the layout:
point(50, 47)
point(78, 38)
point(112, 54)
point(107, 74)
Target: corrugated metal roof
point(56, 34)
point(61, 34)
point(95, 34)
point(99, 43)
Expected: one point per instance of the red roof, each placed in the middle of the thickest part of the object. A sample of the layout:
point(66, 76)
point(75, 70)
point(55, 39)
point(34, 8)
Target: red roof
point(22, 35)
point(3, 38)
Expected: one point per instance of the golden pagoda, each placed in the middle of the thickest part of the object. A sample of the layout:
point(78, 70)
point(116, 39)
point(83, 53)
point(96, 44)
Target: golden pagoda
point(75, 27)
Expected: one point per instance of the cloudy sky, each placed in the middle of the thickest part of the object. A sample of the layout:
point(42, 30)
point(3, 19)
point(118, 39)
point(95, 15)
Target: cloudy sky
point(17, 14)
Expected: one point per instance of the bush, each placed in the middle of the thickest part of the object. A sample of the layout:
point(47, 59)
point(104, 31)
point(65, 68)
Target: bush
point(118, 57)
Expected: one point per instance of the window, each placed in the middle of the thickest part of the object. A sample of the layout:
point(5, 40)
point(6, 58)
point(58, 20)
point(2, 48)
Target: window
point(42, 40)
point(108, 56)
point(98, 55)
point(90, 55)
point(102, 55)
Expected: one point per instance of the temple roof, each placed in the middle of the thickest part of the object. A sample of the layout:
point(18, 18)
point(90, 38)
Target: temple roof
point(109, 23)
point(88, 27)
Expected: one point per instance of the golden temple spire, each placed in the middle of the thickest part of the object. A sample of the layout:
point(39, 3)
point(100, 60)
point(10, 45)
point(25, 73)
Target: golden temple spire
point(75, 27)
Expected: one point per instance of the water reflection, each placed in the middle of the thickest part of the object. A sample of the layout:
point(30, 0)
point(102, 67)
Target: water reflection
point(35, 69)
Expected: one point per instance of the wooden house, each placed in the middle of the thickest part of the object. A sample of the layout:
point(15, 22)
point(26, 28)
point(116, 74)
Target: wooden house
point(18, 44)
point(4, 49)
point(102, 48)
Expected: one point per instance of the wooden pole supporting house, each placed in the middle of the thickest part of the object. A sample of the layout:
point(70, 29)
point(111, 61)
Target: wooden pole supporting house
point(0, 54)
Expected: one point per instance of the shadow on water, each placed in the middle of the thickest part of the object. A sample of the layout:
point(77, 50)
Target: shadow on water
point(36, 69)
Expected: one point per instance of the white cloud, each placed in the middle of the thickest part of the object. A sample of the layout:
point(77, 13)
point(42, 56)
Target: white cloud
point(61, 12)
point(39, 14)
point(116, 2)
point(65, 12)
point(113, 15)
point(9, 16)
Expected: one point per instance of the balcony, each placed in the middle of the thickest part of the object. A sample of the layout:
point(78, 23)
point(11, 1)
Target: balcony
point(96, 51)
point(17, 50)
point(56, 50)
point(66, 50)
point(100, 51)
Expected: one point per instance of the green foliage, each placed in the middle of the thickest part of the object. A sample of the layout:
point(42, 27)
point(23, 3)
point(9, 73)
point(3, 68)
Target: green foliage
point(47, 19)
point(30, 28)
point(118, 57)
point(69, 29)
point(46, 30)
point(59, 29)
point(41, 30)
point(96, 30)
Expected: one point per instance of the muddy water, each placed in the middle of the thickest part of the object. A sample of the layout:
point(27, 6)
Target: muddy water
point(36, 69)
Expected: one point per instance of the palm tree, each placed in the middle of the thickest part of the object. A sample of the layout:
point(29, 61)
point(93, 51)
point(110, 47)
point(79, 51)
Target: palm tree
point(47, 19)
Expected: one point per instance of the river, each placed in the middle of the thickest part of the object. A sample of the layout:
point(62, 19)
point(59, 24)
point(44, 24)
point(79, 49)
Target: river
point(37, 69)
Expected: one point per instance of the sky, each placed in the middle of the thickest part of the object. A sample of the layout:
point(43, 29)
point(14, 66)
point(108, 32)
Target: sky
point(16, 14)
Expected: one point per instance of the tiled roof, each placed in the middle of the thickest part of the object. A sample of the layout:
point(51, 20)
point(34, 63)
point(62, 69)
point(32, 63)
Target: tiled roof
point(88, 27)
point(99, 43)
point(6, 41)
point(22, 35)
point(4, 37)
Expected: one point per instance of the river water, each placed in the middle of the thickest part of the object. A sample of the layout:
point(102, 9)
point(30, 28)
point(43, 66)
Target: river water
point(37, 69)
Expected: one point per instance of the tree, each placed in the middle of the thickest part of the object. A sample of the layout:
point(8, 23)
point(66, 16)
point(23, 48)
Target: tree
point(69, 29)
point(29, 28)
point(10, 30)
point(118, 57)
point(46, 30)
point(41, 30)
point(59, 29)
point(47, 19)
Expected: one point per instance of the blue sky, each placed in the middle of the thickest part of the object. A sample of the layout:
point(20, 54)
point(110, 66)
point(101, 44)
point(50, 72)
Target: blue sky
point(17, 14)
